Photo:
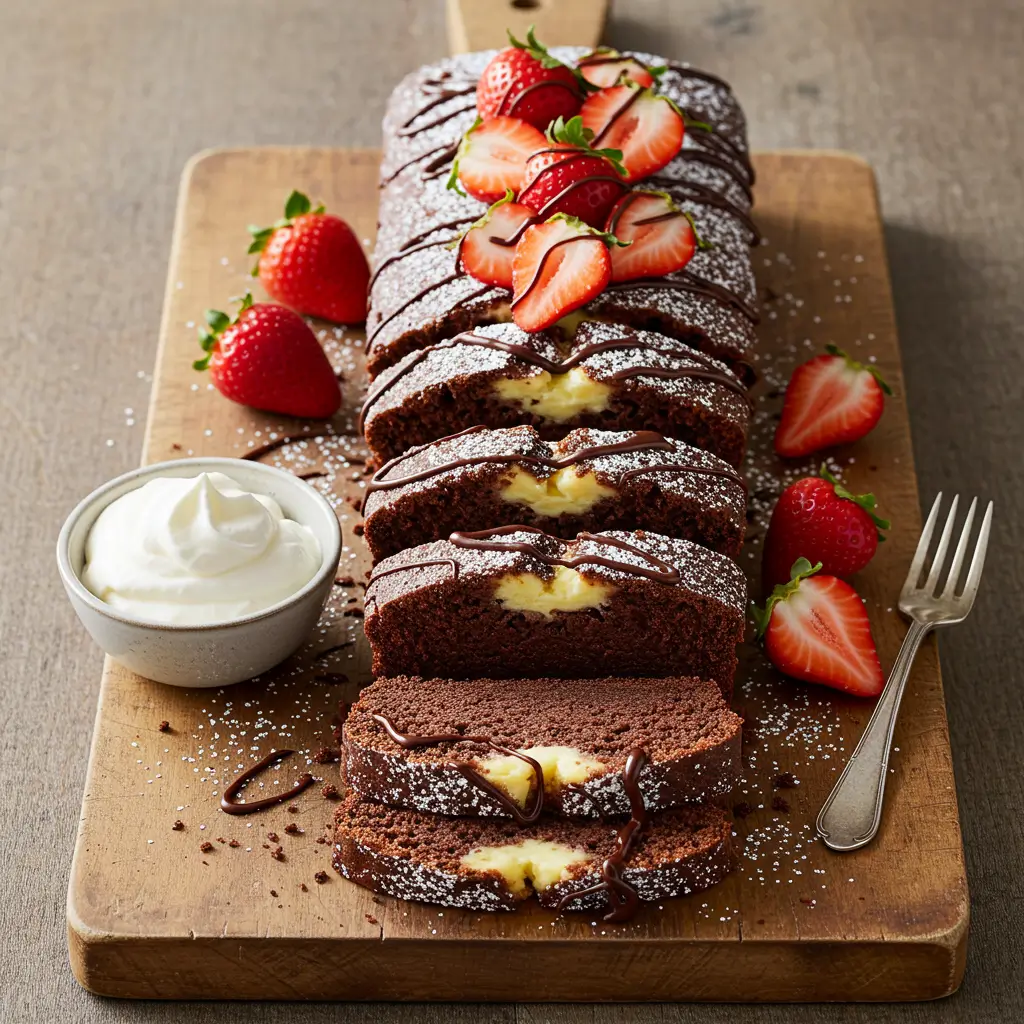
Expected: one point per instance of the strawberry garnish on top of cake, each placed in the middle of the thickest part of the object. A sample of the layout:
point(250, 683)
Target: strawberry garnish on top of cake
point(605, 67)
point(492, 157)
point(526, 82)
point(658, 237)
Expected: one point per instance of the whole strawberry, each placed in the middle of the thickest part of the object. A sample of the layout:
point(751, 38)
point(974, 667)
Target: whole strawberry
point(815, 628)
point(818, 519)
point(267, 357)
point(526, 82)
point(830, 400)
point(567, 176)
point(313, 262)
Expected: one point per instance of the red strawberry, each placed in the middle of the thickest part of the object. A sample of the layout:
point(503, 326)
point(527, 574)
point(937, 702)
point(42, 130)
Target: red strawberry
point(526, 82)
point(267, 357)
point(492, 157)
point(567, 176)
point(830, 400)
point(486, 259)
point(647, 128)
point(819, 519)
point(604, 67)
point(559, 266)
point(661, 237)
point(815, 628)
point(313, 262)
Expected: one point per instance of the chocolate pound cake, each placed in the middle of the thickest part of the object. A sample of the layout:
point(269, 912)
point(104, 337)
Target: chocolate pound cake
point(590, 480)
point(419, 294)
point(488, 864)
point(609, 377)
point(514, 602)
point(445, 747)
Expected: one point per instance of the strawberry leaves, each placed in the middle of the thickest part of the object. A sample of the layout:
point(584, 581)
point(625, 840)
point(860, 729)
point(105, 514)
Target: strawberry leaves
point(573, 133)
point(867, 502)
point(801, 570)
point(216, 324)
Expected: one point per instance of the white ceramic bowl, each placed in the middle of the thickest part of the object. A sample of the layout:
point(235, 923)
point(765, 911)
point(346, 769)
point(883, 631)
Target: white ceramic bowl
point(217, 653)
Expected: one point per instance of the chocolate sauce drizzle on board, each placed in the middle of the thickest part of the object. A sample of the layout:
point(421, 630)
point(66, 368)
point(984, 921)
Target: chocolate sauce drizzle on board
point(622, 896)
point(707, 371)
point(642, 440)
point(523, 817)
point(657, 569)
point(227, 800)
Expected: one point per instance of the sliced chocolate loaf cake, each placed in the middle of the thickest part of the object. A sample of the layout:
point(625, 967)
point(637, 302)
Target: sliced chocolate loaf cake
point(514, 602)
point(488, 864)
point(610, 377)
point(590, 480)
point(420, 295)
point(514, 747)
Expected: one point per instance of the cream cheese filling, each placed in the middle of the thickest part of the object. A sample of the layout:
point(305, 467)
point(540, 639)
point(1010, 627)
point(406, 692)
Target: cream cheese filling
point(566, 591)
point(563, 492)
point(541, 863)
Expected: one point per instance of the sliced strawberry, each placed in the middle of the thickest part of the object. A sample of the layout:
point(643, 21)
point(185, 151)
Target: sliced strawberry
point(818, 519)
point(815, 628)
point(647, 128)
point(605, 68)
point(567, 176)
point(492, 157)
point(487, 249)
point(559, 266)
point(526, 82)
point(830, 400)
point(661, 237)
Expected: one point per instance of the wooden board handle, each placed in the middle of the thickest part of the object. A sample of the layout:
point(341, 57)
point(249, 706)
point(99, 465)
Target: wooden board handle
point(482, 24)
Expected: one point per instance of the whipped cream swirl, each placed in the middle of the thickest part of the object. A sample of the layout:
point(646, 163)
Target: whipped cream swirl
point(196, 550)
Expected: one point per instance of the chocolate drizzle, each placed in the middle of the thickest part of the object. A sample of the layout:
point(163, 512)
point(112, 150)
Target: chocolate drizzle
point(448, 149)
point(657, 569)
point(227, 800)
point(706, 371)
point(635, 95)
point(523, 817)
point(375, 575)
point(622, 896)
point(422, 293)
point(641, 440)
point(688, 281)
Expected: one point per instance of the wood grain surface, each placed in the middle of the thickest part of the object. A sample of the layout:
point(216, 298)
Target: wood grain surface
point(155, 911)
point(104, 103)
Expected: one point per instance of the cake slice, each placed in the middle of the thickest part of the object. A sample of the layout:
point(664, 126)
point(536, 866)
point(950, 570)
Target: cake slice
point(514, 602)
point(615, 378)
point(590, 480)
point(420, 295)
point(488, 864)
point(443, 747)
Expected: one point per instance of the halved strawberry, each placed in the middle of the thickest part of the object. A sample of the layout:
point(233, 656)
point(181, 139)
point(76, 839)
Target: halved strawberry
point(526, 82)
point(815, 628)
point(492, 157)
point(567, 176)
point(661, 237)
point(559, 266)
point(647, 128)
point(830, 400)
point(487, 249)
point(605, 67)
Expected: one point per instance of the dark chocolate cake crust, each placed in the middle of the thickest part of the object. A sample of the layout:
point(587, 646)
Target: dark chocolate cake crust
point(691, 738)
point(656, 383)
point(455, 483)
point(674, 608)
point(419, 295)
point(418, 856)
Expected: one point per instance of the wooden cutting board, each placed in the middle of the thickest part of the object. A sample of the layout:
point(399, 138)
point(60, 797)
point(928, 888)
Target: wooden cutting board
point(152, 915)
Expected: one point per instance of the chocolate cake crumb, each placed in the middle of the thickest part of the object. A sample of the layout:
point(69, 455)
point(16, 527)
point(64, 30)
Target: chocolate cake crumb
point(327, 755)
point(780, 804)
point(175, 447)
point(370, 919)
point(273, 892)
point(322, 840)
point(273, 837)
point(234, 843)
point(741, 810)
point(785, 780)
point(292, 829)
point(164, 726)
point(320, 877)
point(330, 791)
point(303, 887)
point(277, 853)
point(293, 809)
point(206, 846)
point(221, 839)
point(178, 826)
point(352, 613)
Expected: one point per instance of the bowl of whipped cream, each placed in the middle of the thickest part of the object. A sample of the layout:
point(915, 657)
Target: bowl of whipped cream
point(200, 572)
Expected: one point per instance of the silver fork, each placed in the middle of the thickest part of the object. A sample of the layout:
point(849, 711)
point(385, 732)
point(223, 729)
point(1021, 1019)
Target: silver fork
point(851, 815)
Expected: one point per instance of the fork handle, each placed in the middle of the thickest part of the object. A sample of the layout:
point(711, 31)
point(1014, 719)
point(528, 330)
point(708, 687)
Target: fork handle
point(851, 815)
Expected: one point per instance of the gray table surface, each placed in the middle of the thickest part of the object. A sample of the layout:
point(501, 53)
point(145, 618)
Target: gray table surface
point(102, 102)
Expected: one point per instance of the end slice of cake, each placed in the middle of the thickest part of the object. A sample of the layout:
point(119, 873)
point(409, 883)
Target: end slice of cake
point(515, 602)
point(590, 480)
point(487, 864)
point(444, 747)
